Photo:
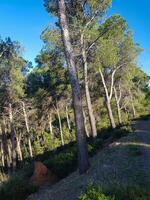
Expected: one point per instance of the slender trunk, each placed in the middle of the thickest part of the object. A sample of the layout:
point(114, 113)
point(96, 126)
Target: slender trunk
point(50, 126)
point(9, 151)
point(3, 176)
point(76, 92)
point(118, 105)
point(27, 128)
point(12, 135)
point(133, 108)
point(111, 117)
point(119, 113)
point(85, 124)
point(108, 99)
point(87, 92)
point(5, 145)
point(1, 152)
point(68, 121)
point(60, 126)
point(19, 149)
point(2, 156)
point(132, 104)
point(30, 147)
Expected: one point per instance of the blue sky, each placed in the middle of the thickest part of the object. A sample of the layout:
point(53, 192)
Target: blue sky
point(24, 20)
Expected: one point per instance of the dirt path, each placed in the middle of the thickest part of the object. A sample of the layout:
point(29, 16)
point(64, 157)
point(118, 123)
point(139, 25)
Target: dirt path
point(122, 163)
point(143, 134)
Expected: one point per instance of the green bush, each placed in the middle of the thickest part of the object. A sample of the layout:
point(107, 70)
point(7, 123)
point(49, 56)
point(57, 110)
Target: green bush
point(16, 188)
point(113, 193)
point(38, 149)
point(122, 131)
point(94, 146)
point(94, 193)
point(63, 163)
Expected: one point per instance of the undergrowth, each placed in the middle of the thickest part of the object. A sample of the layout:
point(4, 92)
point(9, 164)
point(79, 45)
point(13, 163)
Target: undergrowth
point(61, 161)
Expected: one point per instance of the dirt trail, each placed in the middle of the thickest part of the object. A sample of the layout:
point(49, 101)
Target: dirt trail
point(143, 133)
point(124, 162)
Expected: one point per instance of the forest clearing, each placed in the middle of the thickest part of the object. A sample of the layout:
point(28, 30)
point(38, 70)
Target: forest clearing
point(74, 122)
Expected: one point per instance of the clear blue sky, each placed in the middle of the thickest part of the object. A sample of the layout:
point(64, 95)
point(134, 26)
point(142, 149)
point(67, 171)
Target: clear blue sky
point(24, 20)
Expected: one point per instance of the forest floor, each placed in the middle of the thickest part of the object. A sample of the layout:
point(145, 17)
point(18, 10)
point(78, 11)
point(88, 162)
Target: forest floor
point(123, 163)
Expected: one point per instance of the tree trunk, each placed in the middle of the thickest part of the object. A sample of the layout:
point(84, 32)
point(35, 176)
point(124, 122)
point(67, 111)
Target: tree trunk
point(76, 92)
point(60, 126)
point(108, 99)
point(5, 145)
point(133, 109)
point(2, 155)
point(111, 117)
point(30, 147)
point(85, 124)
point(119, 113)
point(68, 122)
point(9, 151)
point(19, 148)
point(87, 92)
point(12, 136)
point(118, 105)
point(132, 104)
point(50, 126)
point(27, 128)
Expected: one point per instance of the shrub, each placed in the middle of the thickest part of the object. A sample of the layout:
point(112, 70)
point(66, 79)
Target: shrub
point(94, 193)
point(16, 188)
point(133, 192)
point(63, 163)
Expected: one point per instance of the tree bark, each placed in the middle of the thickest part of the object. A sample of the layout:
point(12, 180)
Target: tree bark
point(118, 98)
point(19, 148)
point(12, 136)
point(2, 155)
point(87, 92)
point(108, 98)
point(9, 151)
point(76, 92)
point(68, 123)
point(60, 126)
point(85, 124)
point(111, 117)
point(5, 145)
point(132, 104)
point(50, 126)
point(68, 120)
point(27, 128)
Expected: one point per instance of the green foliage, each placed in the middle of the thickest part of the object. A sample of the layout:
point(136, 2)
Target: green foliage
point(123, 131)
point(130, 192)
point(50, 143)
point(16, 188)
point(94, 194)
point(11, 78)
point(46, 90)
point(63, 163)
point(38, 149)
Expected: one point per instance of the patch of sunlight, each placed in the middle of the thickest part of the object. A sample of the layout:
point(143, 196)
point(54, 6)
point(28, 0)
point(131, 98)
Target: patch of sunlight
point(132, 144)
